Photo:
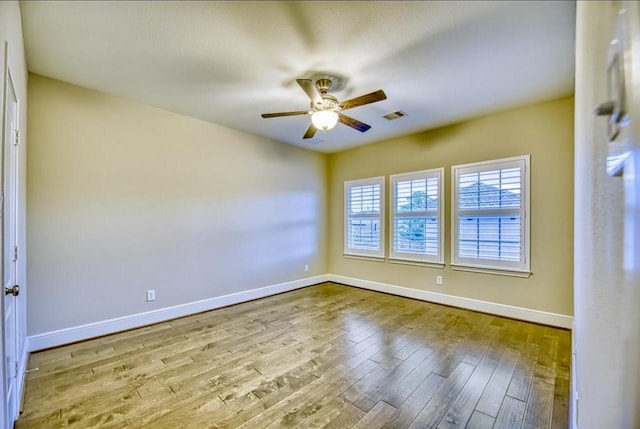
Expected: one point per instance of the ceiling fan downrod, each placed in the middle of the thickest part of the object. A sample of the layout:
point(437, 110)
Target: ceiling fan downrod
point(323, 85)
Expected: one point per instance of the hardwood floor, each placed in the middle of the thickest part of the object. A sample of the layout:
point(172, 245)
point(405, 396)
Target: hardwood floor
point(325, 356)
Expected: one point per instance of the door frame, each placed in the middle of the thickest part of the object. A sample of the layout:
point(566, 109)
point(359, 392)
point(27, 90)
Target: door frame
point(10, 203)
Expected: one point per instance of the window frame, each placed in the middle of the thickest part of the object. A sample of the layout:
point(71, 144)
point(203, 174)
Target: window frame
point(521, 267)
point(377, 254)
point(399, 256)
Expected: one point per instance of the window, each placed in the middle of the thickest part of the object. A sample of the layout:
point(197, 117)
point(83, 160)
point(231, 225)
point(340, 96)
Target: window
point(416, 216)
point(490, 214)
point(364, 221)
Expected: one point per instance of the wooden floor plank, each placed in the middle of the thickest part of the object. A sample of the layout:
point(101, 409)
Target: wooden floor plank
point(346, 418)
point(324, 356)
point(436, 408)
point(493, 394)
point(411, 407)
point(271, 393)
point(331, 408)
point(396, 393)
point(540, 404)
point(368, 392)
point(510, 414)
point(480, 420)
point(560, 402)
point(520, 384)
point(377, 417)
point(463, 406)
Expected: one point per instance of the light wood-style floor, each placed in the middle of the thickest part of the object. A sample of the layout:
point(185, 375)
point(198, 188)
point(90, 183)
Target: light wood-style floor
point(324, 356)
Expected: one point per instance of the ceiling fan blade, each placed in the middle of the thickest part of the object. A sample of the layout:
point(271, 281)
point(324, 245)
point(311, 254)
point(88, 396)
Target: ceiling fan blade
point(353, 123)
point(275, 115)
point(372, 97)
point(311, 90)
point(311, 131)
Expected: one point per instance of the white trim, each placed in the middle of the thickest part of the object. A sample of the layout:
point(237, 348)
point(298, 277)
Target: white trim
point(22, 372)
point(573, 395)
point(523, 162)
point(380, 181)
point(416, 263)
point(526, 314)
point(365, 258)
point(77, 333)
point(435, 173)
point(485, 270)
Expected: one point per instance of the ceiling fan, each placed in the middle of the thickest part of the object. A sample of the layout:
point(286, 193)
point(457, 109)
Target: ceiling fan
point(326, 109)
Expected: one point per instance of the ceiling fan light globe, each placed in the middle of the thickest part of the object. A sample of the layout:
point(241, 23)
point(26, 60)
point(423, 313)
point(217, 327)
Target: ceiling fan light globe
point(324, 120)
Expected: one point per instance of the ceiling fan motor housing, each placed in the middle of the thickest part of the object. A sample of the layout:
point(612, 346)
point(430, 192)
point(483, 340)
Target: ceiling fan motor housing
point(329, 102)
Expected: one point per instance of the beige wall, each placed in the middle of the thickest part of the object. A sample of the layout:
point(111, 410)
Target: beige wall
point(124, 197)
point(546, 132)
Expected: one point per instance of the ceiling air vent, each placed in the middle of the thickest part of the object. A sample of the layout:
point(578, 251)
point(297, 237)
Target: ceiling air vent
point(395, 115)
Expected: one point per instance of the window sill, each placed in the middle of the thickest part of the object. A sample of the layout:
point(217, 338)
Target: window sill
point(364, 257)
point(416, 263)
point(510, 273)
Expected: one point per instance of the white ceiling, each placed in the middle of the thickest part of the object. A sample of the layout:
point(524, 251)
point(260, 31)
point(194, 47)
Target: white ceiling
point(228, 62)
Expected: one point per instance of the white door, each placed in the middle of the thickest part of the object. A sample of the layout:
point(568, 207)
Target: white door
point(9, 250)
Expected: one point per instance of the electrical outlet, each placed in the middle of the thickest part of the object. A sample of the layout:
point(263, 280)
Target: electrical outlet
point(438, 280)
point(306, 268)
point(151, 295)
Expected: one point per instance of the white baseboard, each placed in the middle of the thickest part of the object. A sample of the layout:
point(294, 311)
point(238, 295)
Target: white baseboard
point(105, 327)
point(96, 329)
point(527, 314)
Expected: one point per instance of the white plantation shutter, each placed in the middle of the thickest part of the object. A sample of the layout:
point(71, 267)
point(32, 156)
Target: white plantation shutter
point(416, 216)
point(364, 225)
point(490, 214)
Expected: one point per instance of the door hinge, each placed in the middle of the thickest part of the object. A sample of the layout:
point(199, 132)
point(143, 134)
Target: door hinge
point(17, 138)
point(15, 253)
point(15, 374)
